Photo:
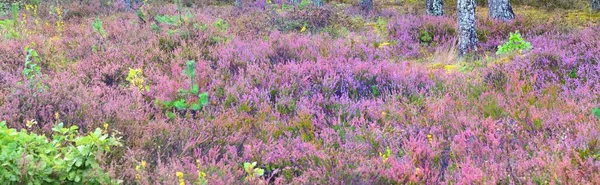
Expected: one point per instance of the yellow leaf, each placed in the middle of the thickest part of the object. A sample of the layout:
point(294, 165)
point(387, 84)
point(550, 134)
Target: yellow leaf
point(383, 44)
point(435, 66)
point(30, 123)
point(449, 68)
point(303, 29)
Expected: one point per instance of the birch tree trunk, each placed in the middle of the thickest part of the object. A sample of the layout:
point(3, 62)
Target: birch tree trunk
point(366, 5)
point(435, 7)
point(129, 3)
point(467, 35)
point(317, 3)
point(501, 10)
point(595, 4)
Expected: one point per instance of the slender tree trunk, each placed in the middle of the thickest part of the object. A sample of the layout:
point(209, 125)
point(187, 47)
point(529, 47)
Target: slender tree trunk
point(317, 3)
point(595, 4)
point(467, 35)
point(435, 7)
point(501, 10)
point(366, 5)
point(129, 3)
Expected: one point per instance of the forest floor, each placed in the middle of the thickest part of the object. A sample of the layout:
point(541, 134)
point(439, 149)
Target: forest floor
point(312, 95)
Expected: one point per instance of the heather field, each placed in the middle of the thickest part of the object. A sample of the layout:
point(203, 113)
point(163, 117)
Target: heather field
point(268, 92)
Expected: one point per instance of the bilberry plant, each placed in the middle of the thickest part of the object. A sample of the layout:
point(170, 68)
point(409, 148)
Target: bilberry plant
point(515, 43)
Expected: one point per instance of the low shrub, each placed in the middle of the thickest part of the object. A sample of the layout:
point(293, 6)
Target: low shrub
point(66, 158)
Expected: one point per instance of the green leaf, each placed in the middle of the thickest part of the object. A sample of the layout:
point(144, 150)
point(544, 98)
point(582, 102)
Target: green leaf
point(196, 106)
point(97, 132)
point(515, 43)
point(78, 162)
point(203, 99)
point(304, 4)
point(195, 89)
point(596, 112)
point(15, 12)
point(171, 115)
point(168, 20)
point(180, 104)
point(248, 167)
point(221, 24)
point(374, 90)
point(58, 127)
point(98, 28)
point(259, 172)
point(190, 69)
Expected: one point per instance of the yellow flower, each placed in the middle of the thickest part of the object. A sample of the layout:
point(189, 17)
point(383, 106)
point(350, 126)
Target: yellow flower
point(180, 178)
point(430, 138)
point(383, 113)
point(303, 29)
point(144, 164)
point(105, 126)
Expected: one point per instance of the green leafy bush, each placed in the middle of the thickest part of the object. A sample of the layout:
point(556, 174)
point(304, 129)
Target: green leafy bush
point(173, 20)
point(304, 4)
point(252, 171)
point(67, 158)
point(135, 77)
point(8, 27)
point(221, 24)
point(98, 28)
point(187, 99)
point(32, 71)
point(220, 34)
point(381, 27)
point(425, 37)
point(515, 43)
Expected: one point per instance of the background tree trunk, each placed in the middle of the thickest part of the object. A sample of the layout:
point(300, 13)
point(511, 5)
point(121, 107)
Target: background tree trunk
point(501, 10)
point(317, 3)
point(366, 5)
point(435, 7)
point(595, 4)
point(467, 35)
point(129, 3)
